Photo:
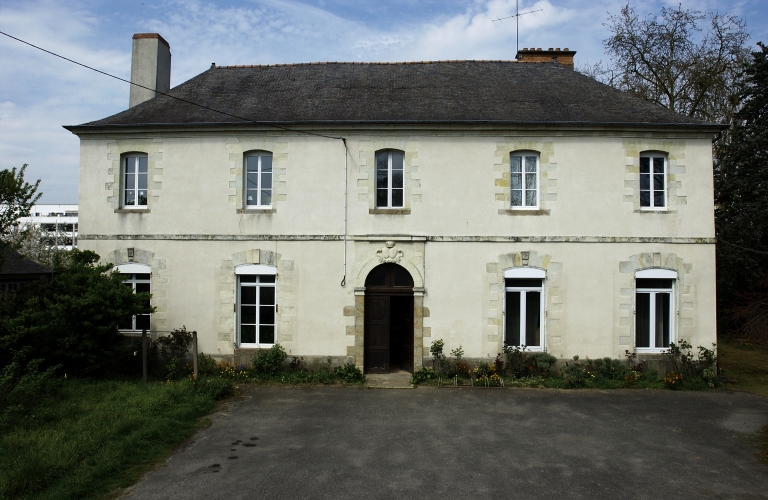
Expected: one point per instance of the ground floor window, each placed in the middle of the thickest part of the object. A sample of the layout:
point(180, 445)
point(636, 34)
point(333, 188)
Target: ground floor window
point(654, 313)
point(139, 282)
point(524, 312)
point(257, 306)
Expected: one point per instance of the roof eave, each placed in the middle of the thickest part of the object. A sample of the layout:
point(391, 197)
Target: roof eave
point(283, 125)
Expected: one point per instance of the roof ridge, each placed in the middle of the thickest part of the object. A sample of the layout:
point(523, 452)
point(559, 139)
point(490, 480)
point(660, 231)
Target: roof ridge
point(441, 61)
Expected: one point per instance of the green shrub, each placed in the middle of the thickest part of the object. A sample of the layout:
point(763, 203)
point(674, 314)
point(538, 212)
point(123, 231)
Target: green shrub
point(216, 388)
point(574, 374)
point(268, 362)
point(422, 375)
point(348, 372)
point(206, 365)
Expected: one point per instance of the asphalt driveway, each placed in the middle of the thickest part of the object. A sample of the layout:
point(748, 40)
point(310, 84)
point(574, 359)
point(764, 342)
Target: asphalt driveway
point(325, 442)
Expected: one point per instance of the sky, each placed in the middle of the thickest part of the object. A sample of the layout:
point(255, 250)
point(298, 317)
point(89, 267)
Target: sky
point(39, 93)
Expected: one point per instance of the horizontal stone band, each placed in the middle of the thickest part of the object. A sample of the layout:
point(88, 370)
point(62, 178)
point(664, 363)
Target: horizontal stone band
point(458, 239)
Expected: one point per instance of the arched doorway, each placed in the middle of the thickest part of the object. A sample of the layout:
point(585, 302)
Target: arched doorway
point(388, 344)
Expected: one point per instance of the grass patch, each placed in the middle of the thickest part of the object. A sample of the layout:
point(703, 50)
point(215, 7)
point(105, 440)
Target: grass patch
point(93, 437)
point(744, 366)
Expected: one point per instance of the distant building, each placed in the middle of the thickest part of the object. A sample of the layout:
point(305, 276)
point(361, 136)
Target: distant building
point(16, 270)
point(59, 222)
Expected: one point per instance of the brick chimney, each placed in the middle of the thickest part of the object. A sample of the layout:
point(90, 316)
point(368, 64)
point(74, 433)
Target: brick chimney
point(564, 56)
point(150, 67)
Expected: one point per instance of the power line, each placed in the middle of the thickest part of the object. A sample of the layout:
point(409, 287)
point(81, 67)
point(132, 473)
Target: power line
point(720, 240)
point(171, 96)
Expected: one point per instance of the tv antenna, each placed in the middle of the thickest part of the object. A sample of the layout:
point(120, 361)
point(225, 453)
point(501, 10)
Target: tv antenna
point(517, 22)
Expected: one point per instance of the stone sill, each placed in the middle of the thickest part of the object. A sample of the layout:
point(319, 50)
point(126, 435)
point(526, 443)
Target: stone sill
point(509, 211)
point(256, 211)
point(655, 211)
point(389, 211)
point(132, 211)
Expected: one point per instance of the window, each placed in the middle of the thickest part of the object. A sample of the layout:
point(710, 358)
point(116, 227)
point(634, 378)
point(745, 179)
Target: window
point(654, 309)
point(390, 191)
point(257, 305)
point(135, 181)
point(9, 286)
point(524, 308)
point(138, 278)
point(524, 180)
point(653, 181)
point(258, 180)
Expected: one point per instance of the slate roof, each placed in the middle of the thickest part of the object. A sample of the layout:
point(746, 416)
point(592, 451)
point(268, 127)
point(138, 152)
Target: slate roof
point(444, 92)
point(15, 265)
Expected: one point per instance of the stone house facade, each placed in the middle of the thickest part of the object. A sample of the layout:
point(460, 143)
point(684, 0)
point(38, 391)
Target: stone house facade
point(362, 210)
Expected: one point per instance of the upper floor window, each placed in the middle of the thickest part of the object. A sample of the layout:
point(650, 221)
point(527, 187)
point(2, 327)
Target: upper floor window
point(258, 179)
point(389, 179)
point(653, 180)
point(524, 180)
point(135, 170)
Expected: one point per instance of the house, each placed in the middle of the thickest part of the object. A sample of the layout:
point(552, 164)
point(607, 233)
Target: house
point(16, 270)
point(362, 210)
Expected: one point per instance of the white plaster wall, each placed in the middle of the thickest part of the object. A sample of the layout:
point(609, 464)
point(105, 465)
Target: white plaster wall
point(457, 185)
point(455, 180)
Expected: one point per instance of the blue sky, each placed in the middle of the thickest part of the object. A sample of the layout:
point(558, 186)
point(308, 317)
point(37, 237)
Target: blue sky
point(39, 93)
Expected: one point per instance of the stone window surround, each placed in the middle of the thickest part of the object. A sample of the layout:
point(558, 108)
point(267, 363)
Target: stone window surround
point(494, 306)
point(116, 151)
point(366, 175)
point(674, 150)
point(238, 148)
point(159, 278)
point(547, 187)
point(683, 298)
point(285, 321)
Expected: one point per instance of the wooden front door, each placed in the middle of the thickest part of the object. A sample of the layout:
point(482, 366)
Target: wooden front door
point(388, 320)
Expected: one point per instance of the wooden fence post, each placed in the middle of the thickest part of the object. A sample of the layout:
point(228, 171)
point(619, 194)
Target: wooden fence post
point(194, 352)
point(144, 354)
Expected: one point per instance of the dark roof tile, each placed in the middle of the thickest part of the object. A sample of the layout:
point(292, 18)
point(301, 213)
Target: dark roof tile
point(503, 92)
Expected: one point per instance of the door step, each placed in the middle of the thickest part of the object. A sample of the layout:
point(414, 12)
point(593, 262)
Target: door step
point(396, 380)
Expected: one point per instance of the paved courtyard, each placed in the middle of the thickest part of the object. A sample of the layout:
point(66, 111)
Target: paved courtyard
point(326, 442)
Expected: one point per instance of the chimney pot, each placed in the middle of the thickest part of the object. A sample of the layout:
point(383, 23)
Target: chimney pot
point(550, 49)
point(150, 67)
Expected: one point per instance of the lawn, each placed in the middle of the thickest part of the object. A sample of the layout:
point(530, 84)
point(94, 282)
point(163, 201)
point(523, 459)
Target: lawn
point(93, 438)
point(744, 366)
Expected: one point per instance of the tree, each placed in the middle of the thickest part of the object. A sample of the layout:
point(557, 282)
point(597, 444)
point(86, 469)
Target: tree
point(741, 200)
point(675, 62)
point(16, 199)
point(71, 321)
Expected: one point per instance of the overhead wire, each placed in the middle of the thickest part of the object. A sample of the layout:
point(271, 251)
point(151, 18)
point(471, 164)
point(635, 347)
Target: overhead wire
point(249, 120)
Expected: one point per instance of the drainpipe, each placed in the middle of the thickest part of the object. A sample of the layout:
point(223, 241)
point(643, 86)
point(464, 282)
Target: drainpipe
point(346, 155)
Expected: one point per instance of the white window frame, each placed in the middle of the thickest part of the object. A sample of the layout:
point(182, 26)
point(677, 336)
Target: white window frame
point(389, 187)
point(651, 155)
point(527, 273)
point(132, 269)
point(255, 270)
point(523, 155)
point(657, 273)
point(259, 173)
point(124, 187)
